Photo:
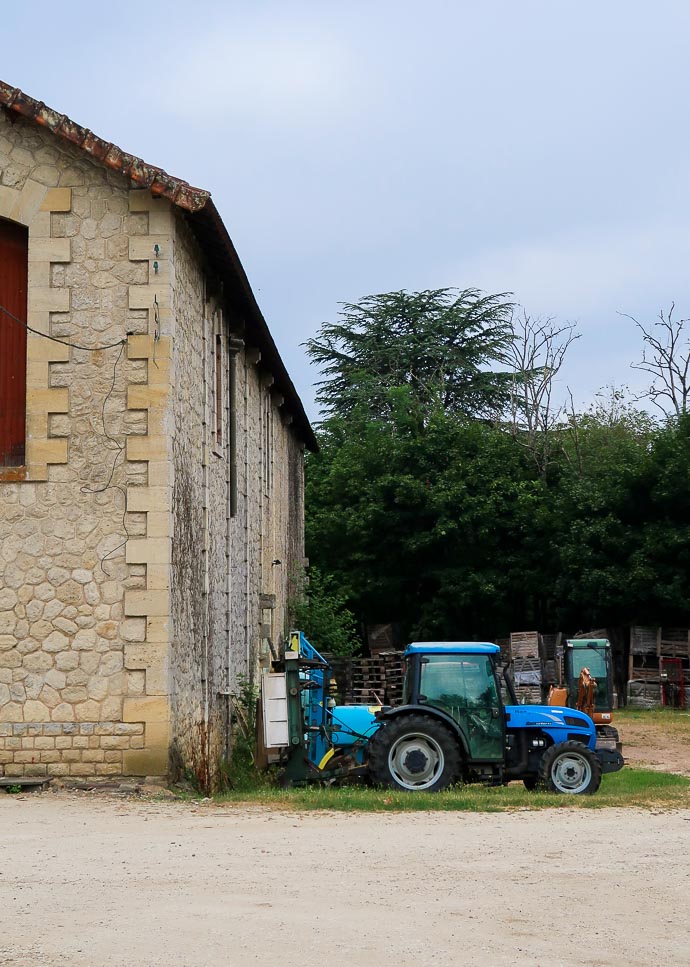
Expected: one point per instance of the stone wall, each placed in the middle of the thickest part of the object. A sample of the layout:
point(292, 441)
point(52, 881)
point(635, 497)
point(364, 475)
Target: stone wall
point(132, 594)
point(63, 575)
point(223, 550)
point(189, 553)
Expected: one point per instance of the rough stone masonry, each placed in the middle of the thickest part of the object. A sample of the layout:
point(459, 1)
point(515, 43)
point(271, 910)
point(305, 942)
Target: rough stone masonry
point(163, 479)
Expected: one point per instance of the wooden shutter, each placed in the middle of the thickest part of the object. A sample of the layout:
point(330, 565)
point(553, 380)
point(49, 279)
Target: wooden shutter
point(13, 285)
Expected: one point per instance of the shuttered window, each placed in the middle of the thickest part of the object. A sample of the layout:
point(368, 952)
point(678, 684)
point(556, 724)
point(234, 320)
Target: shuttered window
point(13, 285)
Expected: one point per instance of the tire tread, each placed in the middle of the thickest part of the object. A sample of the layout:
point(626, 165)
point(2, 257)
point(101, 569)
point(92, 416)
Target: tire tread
point(381, 743)
point(554, 751)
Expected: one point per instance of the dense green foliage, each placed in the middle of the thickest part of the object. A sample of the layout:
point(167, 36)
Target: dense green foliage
point(442, 346)
point(321, 612)
point(424, 511)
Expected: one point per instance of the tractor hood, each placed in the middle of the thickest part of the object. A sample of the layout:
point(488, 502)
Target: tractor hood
point(567, 722)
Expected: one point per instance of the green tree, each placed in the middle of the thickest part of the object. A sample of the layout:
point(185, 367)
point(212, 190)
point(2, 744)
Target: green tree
point(596, 515)
point(660, 561)
point(321, 612)
point(443, 345)
point(423, 511)
point(426, 529)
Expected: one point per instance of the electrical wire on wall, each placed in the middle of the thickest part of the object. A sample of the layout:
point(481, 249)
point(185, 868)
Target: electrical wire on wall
point(64, 342)
point(156, 326)
point(116, 445)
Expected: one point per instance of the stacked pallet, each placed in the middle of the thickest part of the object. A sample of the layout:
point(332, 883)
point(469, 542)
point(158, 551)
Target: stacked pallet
point(659, 667)
point(503, 662)
point(367, 681)
point(393, 676)
point(552, 655)
point(341, 678)
point(525, 648)
point(644, 683)
point(642, 694)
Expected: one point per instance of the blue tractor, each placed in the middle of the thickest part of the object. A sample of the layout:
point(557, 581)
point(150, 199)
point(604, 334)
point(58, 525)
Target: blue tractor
point(453, 727)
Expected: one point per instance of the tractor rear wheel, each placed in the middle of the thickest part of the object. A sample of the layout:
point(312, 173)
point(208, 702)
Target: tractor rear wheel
point(414, 753)
point(570, 767)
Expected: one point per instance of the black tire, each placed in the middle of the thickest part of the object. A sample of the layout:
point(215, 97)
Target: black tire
point(415, 753)
point(571, 768)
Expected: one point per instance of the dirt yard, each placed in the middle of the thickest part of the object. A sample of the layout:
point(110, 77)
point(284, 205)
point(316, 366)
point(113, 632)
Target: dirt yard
point(95, 880)
point(655, 745)
point(90, 880)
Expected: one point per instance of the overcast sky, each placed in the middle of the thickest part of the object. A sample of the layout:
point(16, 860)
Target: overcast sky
point(533, 146)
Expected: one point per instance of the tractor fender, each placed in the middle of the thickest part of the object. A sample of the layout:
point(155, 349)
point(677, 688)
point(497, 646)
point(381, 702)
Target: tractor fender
point(435, 713)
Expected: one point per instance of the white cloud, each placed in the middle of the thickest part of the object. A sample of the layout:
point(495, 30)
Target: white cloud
point(590, 277)
point(264, 70)
point(594, 270)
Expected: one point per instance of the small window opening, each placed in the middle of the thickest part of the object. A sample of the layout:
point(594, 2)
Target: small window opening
point(14, 248)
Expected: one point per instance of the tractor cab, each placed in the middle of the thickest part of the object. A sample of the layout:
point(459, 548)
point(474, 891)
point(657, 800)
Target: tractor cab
point(459, 680)
point(594, 654)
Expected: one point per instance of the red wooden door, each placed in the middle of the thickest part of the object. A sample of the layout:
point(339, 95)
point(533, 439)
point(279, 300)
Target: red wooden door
point(13, 285)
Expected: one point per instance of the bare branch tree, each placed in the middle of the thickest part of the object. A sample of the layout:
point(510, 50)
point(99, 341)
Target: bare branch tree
point(536, 356)
point(666, 358)
point(574, 428)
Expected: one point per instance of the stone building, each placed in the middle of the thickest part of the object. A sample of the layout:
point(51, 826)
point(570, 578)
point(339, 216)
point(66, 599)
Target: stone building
point(151, 462)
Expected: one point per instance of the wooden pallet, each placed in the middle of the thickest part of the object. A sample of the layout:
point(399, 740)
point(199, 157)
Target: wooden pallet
point(369, 681)
point(529, 695)
point(527, 671)
point(673, 643)
point(524, 644)
point(642, 694)
point(643, 640)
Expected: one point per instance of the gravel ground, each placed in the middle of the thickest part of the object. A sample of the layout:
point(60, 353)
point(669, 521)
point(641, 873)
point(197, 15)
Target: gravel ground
point(92, 879)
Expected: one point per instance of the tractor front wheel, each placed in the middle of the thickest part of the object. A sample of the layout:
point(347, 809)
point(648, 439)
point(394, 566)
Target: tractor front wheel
point(414, 753)
point(570, 767)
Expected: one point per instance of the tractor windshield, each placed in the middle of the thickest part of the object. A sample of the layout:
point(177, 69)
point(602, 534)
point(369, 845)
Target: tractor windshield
point(458, 681)
point(594, 658)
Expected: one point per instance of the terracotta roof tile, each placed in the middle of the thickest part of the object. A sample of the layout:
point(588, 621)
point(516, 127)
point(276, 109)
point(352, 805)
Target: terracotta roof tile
point(147, 176)
point(204, 218)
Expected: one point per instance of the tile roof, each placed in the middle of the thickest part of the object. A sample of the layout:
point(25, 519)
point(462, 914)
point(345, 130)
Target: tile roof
point(204, 218)
point(142, 174)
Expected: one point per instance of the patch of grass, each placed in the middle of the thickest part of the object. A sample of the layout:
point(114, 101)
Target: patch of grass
point(675, 722)
point(638, 788)
point(631, 788)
